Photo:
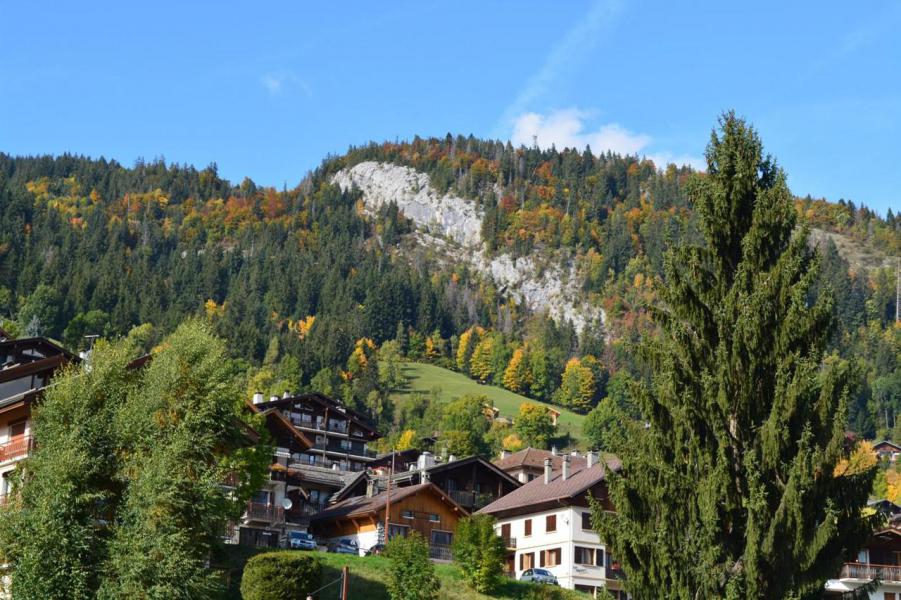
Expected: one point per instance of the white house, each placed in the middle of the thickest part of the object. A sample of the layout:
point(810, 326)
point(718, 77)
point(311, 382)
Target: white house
point(547, 524)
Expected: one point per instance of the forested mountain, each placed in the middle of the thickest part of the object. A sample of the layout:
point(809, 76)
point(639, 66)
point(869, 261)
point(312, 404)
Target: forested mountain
point(309, 284)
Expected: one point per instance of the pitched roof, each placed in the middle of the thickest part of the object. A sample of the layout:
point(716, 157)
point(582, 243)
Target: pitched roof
point(365, 505)
point(533, 457)
point(325, 401)
point(537, 492)
point(887, 443)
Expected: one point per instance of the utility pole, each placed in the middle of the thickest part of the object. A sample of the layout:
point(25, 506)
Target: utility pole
point(388, 495)
point(898, 290)
point(344, 583)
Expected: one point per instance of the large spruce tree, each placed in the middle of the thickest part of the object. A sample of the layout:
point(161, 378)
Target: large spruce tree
point(731, 483)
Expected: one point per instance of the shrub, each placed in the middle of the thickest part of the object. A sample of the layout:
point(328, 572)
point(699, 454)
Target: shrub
point(412, 574)
point(280, 576)
point(479, 552)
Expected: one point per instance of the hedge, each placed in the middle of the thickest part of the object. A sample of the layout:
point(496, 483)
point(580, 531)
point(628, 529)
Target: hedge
point(280, 576)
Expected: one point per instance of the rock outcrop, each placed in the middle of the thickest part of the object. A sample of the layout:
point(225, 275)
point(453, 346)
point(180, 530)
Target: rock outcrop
point(453, 225)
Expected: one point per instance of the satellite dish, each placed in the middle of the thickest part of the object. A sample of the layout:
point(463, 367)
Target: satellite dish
point(287, 504)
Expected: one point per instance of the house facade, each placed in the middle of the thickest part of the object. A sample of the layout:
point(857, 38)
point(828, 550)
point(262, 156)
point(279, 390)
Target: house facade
point(879, 559)
point(26, 368)
point(471, 482)
point(339, 434)
point(423, 508)
point(546, 524)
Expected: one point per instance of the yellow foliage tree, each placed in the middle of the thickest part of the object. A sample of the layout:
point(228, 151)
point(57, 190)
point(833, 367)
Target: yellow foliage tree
point(469, 339)
point(406, 439)
point(512, 443)
point(861, 460)
point(212, 309)
point(517, 376)
point(480, 363)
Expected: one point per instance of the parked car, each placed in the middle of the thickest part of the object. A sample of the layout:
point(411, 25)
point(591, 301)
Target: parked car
point(376, 550)
point(301, 540)
point(539, 576)
point(345, 546)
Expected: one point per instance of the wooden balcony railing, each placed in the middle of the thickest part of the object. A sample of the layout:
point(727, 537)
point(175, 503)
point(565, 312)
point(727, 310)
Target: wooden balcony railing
point(264, 512)
point(16, 448)
point(868, 572)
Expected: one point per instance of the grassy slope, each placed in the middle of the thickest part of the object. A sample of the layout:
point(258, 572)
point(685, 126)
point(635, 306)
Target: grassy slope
point(368, 577)
point(424, 377)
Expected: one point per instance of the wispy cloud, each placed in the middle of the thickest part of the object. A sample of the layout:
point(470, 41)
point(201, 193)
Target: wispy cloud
point(277, 82)
point(567, 129)
point(561, 60)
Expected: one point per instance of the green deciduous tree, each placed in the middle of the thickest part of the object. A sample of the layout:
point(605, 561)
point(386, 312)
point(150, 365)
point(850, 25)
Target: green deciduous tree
point(411, 575)
point(534, 425)
point(731, 490)
point(480, 552)
point(123, 497)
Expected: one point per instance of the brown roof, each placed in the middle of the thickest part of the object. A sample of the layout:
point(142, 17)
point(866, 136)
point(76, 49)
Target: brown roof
point(532, 457)
point(365, 505)
point(537, 492)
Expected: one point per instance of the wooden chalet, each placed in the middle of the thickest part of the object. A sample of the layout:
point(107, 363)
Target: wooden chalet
point(26, 367)
point(424, 508)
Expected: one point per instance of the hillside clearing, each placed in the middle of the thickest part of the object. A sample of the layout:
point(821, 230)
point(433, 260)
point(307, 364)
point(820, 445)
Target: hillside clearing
point(425, 377)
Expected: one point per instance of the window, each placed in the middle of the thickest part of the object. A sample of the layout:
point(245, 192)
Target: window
point(261, 497)
point(17, 429)
point(584, 556)
point(434, 518)
point(550, 558)
point(586, 521)
point(407, 514)
point(505, 531)
point(889, 596)
point(527, 560)
point(550, 523)
point(442, 538)
point(345, 444)
point(528, 527)
point(396, 530)
point(586, 589)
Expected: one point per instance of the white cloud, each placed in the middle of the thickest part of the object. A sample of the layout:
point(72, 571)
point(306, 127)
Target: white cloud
point(562, 60)
point(277, 81)
point(566, 128)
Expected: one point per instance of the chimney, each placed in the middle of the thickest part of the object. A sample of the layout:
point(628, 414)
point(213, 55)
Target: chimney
point(273, 398)
point(547, 471)
point(426, 460)
point(574, 453)
point(258, 397)
point(565, 468)
point(451, 458)
point(370, 488)
point(554, 450)
point(287, 394)
point(504, 454)
point(423, 476)
point(590, 458)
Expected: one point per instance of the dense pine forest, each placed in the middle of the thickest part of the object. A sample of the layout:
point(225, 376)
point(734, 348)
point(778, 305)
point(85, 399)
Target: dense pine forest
point(311, 292)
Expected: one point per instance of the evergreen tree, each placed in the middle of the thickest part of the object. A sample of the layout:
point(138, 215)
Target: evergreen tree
point(729, 487)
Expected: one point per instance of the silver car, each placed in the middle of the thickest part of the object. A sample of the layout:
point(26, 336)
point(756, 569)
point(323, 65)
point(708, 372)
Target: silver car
point(539, 576)
point(301, 540)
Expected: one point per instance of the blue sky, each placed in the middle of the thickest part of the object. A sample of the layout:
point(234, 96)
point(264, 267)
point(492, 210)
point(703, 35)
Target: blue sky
point(267, 89)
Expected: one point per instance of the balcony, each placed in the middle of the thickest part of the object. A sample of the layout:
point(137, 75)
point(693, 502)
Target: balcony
point(510, 543)
point(471, 500)
point(868, 572)
point(266, 513)
point(18, 447)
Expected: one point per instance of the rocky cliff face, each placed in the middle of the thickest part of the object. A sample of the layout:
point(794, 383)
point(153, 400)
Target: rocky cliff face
point(453, 225)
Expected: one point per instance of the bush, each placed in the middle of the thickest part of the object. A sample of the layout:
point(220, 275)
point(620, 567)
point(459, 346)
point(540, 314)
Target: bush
point(479, 552)
point(280, 576)
point(412, 574)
